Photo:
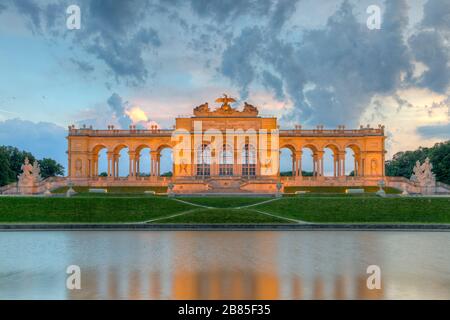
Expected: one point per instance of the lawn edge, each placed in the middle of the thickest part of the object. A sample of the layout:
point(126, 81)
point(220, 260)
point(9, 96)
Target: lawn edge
point(223, 227)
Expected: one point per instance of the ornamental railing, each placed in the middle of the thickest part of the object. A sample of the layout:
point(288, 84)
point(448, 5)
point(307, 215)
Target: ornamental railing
point(117, 132)
point(332, 132)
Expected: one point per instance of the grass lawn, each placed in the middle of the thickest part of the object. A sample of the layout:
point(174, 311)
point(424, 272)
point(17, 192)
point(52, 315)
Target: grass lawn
point(361, 209)
point(136, 208)
point(86, 210)
point(225, 202)
point(223, 216)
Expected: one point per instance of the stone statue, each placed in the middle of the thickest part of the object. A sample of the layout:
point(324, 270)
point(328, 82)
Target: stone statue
point(225, 100)
point(27, 169)
point(424, 176)
point(36, 171)
point(202, 108)
point(248, 108)
point(29, 178)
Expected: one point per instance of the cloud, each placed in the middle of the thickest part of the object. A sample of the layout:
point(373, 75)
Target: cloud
point(430, 48)
point(82, 65)
point(437, 131)
point(273, 82)
point(332, 74)
point(437, 14)
point(237, 59)
point(115, 112)
point(223, 10)
point(42, 139)
point(114, 32)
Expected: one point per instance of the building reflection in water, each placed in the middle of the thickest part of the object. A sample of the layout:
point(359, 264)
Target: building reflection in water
point(232, 265)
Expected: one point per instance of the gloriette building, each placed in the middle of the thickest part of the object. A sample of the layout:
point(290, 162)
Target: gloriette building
point(226, 149)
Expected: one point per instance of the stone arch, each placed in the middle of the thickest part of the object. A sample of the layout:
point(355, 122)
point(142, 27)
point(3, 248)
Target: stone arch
point(331, 159)
point(289, 146)
point(312, 166)
point(98, 160)
point(164, 160)
point(354, 155)
point(122, 158)
point(287, 160)
point(143, 159)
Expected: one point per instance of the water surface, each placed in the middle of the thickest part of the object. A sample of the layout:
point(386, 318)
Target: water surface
point(224, 265)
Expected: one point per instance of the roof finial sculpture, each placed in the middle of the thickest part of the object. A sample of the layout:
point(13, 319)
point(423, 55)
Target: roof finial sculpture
point(225, 100)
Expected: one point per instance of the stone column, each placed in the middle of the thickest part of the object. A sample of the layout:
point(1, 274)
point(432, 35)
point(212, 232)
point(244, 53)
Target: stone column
point(298, 163)
point(132, 165)
point(294, 165)
point(236, 171)
point(158, 168)
point(343, 163)
point(153, 160)
point(110, 164)
point(319, 163)
point(150, 169)
point(138, 166)
point(116, 165)
point(314, 156)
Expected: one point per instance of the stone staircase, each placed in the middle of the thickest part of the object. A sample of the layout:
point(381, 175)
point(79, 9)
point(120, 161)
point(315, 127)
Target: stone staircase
point(225, 185)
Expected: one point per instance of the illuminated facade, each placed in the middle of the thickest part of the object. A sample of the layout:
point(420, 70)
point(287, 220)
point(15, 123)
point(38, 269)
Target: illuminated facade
point(226, 150)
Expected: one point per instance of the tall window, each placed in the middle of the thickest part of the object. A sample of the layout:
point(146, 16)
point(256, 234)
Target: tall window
point(249, 160)
point(204, 161)
point(226, 161)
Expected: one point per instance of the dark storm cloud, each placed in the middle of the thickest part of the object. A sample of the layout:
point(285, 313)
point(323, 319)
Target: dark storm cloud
point(113, 31)
point(283, 11)
point(118, 106)
point(429, 47)
point(332, 74)
point(440, 131)
point(116, 34)
point(238, 59)
point(437, 14)
point(274, 83)
point(223, 10)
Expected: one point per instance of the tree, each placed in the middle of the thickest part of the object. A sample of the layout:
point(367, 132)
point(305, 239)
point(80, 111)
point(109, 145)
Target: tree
point(12, 159)
point(50, 168)
point(16, 158)
point(402, 163)
point(6, 174)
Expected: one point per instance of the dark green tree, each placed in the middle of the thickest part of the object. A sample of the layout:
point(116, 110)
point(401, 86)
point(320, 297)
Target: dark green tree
point(16, 158)
point(440, 158)
point(50, 168)
point(6, 174)
point(402, 163)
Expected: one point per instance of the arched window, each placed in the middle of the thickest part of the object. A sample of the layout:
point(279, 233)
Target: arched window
point(203, 160)
point(249, 160)
point(226, 161)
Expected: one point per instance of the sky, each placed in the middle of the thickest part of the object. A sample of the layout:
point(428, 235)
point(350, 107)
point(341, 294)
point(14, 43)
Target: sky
point(145, 62)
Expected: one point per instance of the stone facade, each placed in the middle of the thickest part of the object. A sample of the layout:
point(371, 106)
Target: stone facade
point(224, 149)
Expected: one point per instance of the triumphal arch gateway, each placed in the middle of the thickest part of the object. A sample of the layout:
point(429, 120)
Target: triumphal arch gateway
point(226, 149)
